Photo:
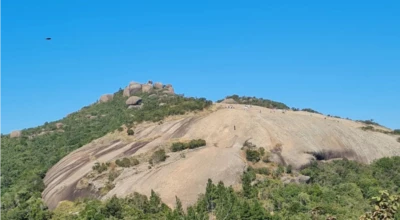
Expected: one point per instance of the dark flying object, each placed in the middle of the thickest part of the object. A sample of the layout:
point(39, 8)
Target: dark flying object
point(48, 38)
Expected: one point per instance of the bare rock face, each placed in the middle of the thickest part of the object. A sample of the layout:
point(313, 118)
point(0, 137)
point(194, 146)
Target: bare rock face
point(169, 89)
point(132, 88)
point(158, 85)
point(147, 87)
point(15, 134)
point(295, 179)
point(297, 133)
point(106, 98)
point(229, 101)
point(59, 125)
point(133, 100)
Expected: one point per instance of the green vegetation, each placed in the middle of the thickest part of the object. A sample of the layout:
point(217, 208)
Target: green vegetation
point(126, 162)
point(158, 156)
point(179, 146)
point(100, 167)
point(25, 160)
point(256, 101)
point(371, 128)
point(385, 206)
point(263, 171)
point(253, 155)
point(311, 111)
point(369, 122)
point(341, 189)
point(396, 131)
point(130, 132)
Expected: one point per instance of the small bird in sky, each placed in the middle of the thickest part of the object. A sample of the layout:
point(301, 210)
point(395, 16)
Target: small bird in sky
point(48, 38)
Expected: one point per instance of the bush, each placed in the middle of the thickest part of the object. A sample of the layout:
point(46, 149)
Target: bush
point(367, 128)
point(279, 171)
point(112, 176)
point(311, 110)
point(289, 169)
point(130, 132)
point(252, 155)
point(266, 159)
point(262, 151)
point(100, 167)
point(263, 171)
point(179, 146)
point(396, 131)
point(120, 129)
point(385, 206)
point(257, 101)
point(158, 156)
point(126, 162)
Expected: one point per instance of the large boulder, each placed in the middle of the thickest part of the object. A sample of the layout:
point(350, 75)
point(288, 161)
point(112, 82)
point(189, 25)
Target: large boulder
point(300, 179)
point(15, 134)
point(132, 88)
point(106, 97)
point(169, 89)
point(158, 85)
point(59, 125)
point(133, 100)
point(147, 88)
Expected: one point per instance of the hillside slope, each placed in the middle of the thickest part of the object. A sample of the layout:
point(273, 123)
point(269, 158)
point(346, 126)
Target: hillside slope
point(303, 136)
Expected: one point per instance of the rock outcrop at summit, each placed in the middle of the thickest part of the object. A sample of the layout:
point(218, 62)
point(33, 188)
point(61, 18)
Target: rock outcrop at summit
point(132, 88)
point(147, 88)
point(158, 85)
point(135, 87)
point(133, 100)
point(106, 98)
point(15, 134)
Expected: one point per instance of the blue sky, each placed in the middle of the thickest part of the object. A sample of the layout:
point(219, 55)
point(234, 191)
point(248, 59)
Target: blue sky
point(338, 57)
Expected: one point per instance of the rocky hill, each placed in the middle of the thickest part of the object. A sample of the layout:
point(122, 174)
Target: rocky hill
point(302, 137)
point(145, 137)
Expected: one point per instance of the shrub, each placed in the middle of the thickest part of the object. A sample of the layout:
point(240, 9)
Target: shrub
point(257, 101)
point(310, 110)
point(112, 176)
point(368, 128)
point(396, 131)
point(263, 170)
point(126, 162)
point(385, 206)
point(130, 132)
point(289, 169)
point(158, 156)
point(120, 129)
point(266, 159)
point(179, 146)
point(279, 171)
point(262, 151)
point(252, 155)
point(100, 167)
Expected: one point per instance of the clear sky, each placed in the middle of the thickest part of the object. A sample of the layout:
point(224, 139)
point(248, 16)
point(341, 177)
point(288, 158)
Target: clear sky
point(337, 57)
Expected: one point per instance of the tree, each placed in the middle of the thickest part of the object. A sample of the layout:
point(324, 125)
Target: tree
point(130, 132)
point(386, 206)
